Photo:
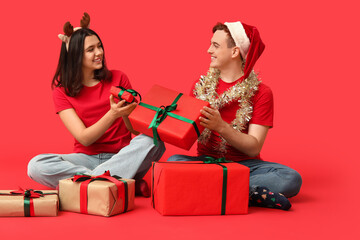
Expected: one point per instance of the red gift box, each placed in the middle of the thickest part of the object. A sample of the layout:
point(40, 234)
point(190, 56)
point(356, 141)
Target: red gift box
point(196, 188)
point(171, 130)
point(124, 94)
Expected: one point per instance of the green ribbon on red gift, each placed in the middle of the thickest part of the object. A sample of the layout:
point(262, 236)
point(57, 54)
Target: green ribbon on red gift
point(212, 160)
point(122, 188)
point(208, 160)
point(28, 194)
point(131, 91)
point(162, 112)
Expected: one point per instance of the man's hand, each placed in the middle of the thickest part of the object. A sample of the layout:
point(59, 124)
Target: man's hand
point(212, 120)
point(121, 109)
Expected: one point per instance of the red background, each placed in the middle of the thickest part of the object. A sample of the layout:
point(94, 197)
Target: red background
point(310, 62)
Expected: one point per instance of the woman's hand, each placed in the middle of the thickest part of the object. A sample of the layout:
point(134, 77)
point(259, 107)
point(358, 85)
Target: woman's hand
point(88, 135)
point(120, 109)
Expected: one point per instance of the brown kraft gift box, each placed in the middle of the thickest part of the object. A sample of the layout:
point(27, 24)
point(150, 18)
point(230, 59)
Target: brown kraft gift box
point(102, 197)
point(17, 205)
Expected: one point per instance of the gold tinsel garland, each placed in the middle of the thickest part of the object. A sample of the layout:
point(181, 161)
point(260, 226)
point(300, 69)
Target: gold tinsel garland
point(243, 92)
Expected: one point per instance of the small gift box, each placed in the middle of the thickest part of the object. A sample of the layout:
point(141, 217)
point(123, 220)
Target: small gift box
point(169, 116)
point(198, 188)
point(129, 95)
point(29, 203)
point(103, 195)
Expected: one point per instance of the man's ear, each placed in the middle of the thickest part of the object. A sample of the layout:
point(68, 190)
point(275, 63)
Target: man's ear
point(235, 52)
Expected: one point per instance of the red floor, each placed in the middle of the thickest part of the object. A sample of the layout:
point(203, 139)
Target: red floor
point(322, 210)
point(310, 62)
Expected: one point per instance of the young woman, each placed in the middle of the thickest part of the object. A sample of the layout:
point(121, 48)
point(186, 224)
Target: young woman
point(100, 126)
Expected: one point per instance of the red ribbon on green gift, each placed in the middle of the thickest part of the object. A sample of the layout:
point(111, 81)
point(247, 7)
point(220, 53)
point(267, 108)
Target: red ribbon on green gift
point(122, 188)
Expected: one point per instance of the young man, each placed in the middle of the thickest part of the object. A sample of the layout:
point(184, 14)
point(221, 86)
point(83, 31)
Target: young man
point(241, 114)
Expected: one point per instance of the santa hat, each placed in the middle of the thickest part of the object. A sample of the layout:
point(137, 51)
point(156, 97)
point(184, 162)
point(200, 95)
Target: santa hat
point(247, 38)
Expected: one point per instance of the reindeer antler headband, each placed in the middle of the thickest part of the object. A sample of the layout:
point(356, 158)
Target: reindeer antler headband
point(69, 29)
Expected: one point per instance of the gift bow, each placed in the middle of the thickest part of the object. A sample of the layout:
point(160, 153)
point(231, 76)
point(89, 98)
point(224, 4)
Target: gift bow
point(162, 112)
point(79, 177)
point(209, 159)
point(85, 180)
point(28, 194)
point(131, 91)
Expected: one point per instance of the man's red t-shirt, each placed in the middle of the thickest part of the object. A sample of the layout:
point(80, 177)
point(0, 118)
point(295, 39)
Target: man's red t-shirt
point(263, 111)
point(91, 104)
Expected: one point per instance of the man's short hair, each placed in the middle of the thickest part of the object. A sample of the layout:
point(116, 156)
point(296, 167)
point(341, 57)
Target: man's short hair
point(221, 26)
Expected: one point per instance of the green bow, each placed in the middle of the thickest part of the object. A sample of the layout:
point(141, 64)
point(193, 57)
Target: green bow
point(209, 159)
point(162, 112)
point(131, 91)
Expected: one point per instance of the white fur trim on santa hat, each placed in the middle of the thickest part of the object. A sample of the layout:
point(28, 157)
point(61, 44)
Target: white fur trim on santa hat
point(238, 33)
